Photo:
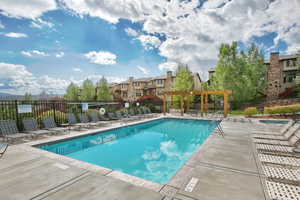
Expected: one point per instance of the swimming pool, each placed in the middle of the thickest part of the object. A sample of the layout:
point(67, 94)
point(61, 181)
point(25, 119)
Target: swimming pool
point(152, 150)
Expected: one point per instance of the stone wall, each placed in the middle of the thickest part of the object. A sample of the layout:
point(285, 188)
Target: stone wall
point(274, 77)
point(282, 102)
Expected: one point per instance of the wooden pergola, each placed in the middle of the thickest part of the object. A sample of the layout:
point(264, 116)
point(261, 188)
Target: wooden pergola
point(204, 98)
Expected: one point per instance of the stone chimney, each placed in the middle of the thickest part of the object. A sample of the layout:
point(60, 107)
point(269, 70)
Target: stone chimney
point(169, 83)
point(169, 74)
point(274, 78)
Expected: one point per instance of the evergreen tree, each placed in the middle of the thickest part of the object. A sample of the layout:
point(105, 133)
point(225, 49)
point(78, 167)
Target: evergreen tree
point(183, 82)
point(242, 73)
point(88, 91)
point(72, 93)
point(28, 97)
point(103, 92)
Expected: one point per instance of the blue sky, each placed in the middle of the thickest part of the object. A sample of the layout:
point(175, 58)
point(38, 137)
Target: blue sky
point(45, 45)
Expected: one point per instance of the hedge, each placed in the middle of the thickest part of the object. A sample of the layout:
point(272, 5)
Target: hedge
point(282, 109)
point(250, 111)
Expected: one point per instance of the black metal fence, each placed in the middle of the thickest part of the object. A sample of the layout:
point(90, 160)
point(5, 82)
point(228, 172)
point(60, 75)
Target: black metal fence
point(19, 109)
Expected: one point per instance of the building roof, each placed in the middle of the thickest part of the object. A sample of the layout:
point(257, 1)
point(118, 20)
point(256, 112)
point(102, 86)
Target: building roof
point(289, 57)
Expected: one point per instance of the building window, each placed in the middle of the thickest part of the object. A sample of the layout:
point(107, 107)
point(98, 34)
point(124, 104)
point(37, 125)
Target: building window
point(284, 79)
point(138, 94)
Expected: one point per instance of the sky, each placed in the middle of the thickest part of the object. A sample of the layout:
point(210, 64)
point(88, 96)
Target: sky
point(47, 44)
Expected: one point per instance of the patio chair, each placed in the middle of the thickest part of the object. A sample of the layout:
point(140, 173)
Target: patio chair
point(279, 160)
point(278, 150)
point(84, 120)
point(3, 148)
point(285, 136)
point(31, 126)
point(95, 118)
point(50, 125)
point(9, 131)
point(72, 122)
point(111, 116)
point(282, 130)
point(292, 141)
point(103, 118)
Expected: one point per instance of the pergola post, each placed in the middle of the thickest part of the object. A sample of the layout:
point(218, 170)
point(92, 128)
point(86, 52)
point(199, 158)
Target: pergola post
point(202, 104)
point(164, 105)
point(225, 104)
point(181, 105)
point(206, 103)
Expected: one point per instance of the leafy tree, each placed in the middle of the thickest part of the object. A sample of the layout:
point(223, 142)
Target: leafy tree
point(298, 60)
point(28, 97)
point(88, 91)
point(43, 95)
point(243, 73)
point(72, 93)
point(183, 82)
point(103, 92)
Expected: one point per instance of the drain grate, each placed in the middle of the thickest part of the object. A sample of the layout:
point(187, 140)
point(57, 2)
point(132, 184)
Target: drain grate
point(191, 185)
point(282, 173)
point(281, 191)
point(277, 148)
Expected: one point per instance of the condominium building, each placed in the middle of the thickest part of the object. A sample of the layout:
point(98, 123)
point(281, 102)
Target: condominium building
point(281, 75)
point(133, 89)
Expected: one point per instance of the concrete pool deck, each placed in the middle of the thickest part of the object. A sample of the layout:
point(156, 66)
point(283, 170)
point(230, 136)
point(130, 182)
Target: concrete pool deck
point(222, 168)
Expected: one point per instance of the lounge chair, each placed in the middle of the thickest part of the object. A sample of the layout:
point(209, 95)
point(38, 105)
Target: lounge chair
point(31, 126)
point(282, 130)
point(84, 120)
point(9, 131)
point(50, 125)
point(291, 141)
point(285, 136)
point(103, 118)
point(111, 116)
point(279, 160)
point(3, 148)
point(95, 118)
point(281, 190)
point(72, 122)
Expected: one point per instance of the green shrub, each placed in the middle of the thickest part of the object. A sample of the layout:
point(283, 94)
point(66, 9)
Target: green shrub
point(282, 109)
point(236, 112)
point(250, 111)
point(59, 116)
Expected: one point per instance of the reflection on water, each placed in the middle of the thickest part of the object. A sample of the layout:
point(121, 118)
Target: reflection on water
point(153, 150)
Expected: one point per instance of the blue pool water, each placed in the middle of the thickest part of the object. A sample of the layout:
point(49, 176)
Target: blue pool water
point(153, 150)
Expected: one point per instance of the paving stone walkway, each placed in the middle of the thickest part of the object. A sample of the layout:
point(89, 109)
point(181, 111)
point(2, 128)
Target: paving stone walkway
point(222, 169)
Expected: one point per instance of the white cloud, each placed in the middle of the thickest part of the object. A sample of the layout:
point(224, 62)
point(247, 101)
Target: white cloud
point(143, 70)
point(15, 35)
point(17, 80)
point(149, 42)
point(101, 57)
point(31, 9)
point(193, 35)
point(77, 69)
point(1, 25)
point(60, 54)
point(131, 32)
point(34, 53)
point(172, 66)
point(39, 23)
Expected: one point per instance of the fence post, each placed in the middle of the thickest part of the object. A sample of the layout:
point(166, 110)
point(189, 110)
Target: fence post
point(54, 115)
point(17, 115)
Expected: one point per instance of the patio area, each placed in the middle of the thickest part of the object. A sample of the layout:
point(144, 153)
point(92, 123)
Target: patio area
point(222, 168)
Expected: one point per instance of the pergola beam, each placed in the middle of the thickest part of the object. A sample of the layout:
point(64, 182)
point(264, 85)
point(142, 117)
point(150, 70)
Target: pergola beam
point(204, 98)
